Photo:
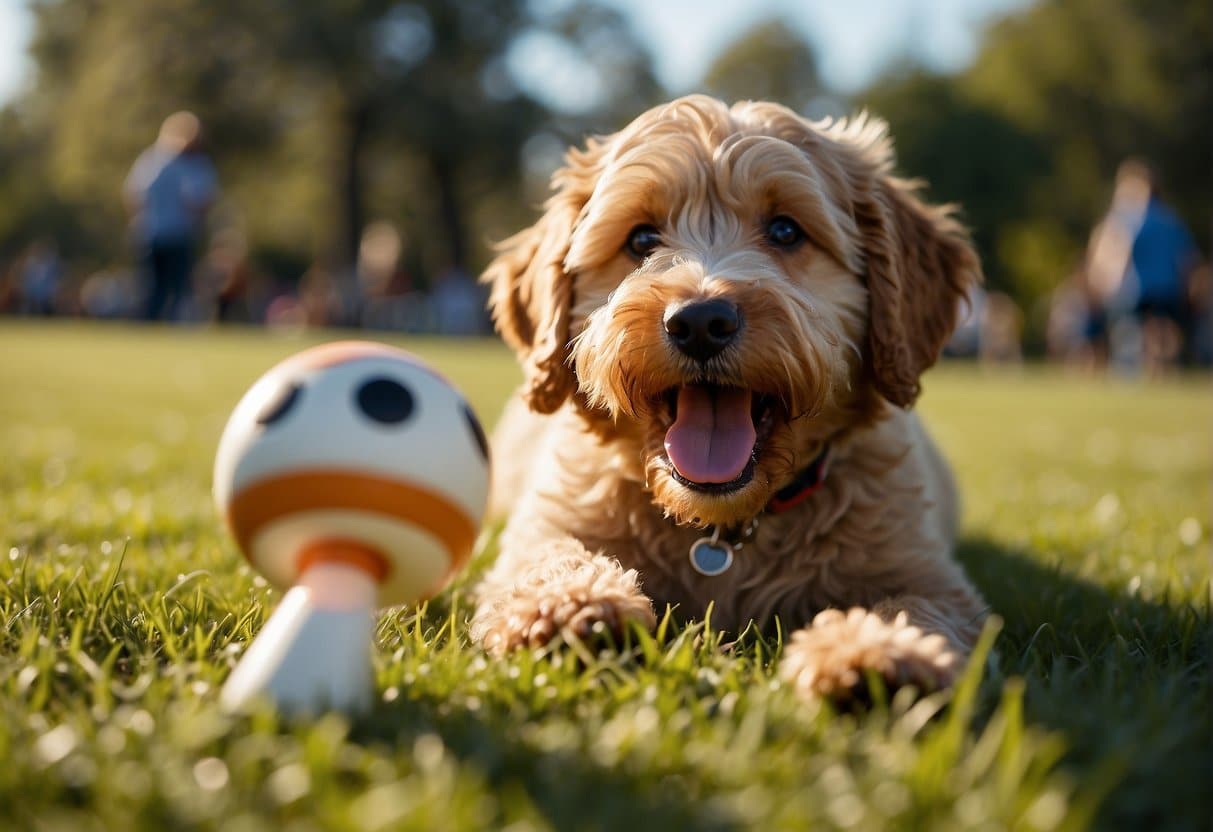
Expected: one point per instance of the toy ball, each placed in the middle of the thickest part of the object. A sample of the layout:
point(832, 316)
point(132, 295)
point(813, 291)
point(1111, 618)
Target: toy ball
point(356, 477)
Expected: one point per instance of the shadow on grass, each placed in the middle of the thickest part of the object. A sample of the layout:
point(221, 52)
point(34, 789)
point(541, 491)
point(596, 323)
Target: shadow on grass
point(570, 790)
point(1125, 680)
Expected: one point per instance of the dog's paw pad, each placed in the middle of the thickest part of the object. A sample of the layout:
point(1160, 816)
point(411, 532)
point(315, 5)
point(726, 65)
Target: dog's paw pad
point(583, 603)
point(835, 657)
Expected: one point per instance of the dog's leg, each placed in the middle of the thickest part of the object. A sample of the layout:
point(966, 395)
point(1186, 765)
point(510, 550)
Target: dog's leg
point(555, 588)
point(906, 640)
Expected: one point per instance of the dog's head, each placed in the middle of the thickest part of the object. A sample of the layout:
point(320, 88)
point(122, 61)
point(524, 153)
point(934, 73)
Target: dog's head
point(725, 289)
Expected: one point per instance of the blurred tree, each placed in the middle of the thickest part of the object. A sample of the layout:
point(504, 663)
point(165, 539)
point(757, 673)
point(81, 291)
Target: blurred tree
point(414, 74)
point(769, 62)
point(1101, 80)
point(317, 113)
point(107, 74)
point(1029, 137)
point(29, 209)
point(966, 153)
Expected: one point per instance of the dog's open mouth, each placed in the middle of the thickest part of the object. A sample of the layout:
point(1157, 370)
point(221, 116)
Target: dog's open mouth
point(716, 435)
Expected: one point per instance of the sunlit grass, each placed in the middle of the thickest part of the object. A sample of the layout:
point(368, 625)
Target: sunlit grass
point(124, 606)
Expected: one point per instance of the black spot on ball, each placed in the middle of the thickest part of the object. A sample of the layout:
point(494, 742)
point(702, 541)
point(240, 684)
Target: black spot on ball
point(280, 404)
point(477, 432)
point(385, 400)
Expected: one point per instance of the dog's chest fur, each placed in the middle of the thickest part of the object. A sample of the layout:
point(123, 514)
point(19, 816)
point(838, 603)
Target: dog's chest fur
point(873, 517)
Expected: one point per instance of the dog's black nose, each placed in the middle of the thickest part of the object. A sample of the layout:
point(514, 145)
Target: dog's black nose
point(702, 329)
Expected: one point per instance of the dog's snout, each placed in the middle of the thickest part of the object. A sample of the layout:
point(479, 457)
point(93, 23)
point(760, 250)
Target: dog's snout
point(702, 329)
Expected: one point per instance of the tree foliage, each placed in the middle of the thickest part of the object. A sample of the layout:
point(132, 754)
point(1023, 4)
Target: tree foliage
point(321, 115)
point(1029, 137)
point(769, 62)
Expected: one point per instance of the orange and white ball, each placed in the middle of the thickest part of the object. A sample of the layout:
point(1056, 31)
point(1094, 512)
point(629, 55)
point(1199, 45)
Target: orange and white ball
point(358, 453)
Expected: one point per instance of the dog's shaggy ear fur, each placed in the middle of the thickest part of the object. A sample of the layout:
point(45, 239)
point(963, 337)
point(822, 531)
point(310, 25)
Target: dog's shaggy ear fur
point(531, 291)
point(920, 264)
point(530, 296)
point(919, 260)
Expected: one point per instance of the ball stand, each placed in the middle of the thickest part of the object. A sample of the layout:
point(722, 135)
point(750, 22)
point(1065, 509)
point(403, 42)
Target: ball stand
point(314, 653)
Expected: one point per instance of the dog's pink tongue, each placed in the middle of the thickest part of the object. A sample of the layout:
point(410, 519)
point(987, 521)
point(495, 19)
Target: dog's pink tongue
point(713, 435)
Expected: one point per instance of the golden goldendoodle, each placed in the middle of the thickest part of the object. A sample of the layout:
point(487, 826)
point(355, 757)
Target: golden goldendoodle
point(722, 318)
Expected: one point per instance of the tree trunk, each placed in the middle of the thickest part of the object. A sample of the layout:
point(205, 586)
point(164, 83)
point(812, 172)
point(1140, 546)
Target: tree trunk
point(354, 130)
point(443, 169)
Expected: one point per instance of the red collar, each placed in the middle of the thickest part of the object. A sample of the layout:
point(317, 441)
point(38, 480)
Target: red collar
point(805, 485)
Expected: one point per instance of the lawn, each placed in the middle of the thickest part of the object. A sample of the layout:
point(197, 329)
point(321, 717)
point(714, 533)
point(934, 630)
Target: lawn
point(124, 606)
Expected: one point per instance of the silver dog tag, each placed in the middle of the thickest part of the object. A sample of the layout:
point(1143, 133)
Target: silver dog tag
point(711, 556)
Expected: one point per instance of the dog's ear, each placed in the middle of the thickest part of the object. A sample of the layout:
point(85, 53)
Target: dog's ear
point(920, 263)
point(531, 291)
point(530, 297)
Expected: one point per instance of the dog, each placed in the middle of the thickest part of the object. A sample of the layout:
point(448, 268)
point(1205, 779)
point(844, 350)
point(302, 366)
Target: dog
point(722, 318)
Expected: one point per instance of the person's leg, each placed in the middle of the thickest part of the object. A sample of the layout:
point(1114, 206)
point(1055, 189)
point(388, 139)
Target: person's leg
point(154, 271)
point(1160, 339)
point(178, 263)
point(183, 278)
point(1095, 338)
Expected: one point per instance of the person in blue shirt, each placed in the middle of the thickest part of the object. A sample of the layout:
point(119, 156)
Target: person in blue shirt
point(1163, 257)
point(169, 190)
point(1140, 264)
point(1163, 260)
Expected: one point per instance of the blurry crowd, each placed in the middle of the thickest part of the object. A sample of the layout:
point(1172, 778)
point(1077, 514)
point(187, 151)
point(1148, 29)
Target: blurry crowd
point(180, 273)
point(223, 286)
point(1139, 300)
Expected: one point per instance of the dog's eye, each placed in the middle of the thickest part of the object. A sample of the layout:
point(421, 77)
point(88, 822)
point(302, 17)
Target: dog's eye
point(642, 240)
point(784, 232)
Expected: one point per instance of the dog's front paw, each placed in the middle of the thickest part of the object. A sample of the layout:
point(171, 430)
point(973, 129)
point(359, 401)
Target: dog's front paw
point(566, 598)
point(832, 658)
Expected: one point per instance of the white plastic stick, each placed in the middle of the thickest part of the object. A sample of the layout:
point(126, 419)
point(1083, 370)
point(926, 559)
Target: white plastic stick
point(314, 653)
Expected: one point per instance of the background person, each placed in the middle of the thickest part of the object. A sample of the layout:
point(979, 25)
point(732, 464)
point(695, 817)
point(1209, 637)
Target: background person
point(1163, 259)
point(39, 275)
point(169, 190)
point(1138, 268)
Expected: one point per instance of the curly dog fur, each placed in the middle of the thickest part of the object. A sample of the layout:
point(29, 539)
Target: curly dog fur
point(835, 331)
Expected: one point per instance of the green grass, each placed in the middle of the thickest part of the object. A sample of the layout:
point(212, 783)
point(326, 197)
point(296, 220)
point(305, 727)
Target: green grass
point(124, 606)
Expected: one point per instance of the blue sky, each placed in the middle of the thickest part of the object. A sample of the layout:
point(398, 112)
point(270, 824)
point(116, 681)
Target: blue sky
point(14, 34)
point(854, 39)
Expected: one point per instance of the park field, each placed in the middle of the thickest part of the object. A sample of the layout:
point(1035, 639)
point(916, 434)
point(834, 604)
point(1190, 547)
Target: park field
point(123, 606)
